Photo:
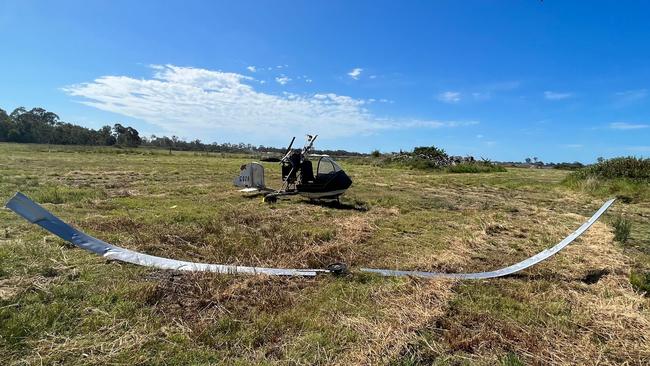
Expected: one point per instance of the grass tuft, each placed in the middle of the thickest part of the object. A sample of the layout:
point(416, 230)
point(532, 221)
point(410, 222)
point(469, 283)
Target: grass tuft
point(511, 359)
point(641, 282)
point(622, 229)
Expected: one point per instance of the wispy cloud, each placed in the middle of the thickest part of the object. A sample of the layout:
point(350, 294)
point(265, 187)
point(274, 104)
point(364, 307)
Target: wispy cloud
point(638, 148)
point(355, 73)
point(627, 126)
point(199, 102)
point(549, 95)
point(630, 96)
point(251, 68)
point(432, 124)
point(282, 80)
point(449, 97)
point(482, 95)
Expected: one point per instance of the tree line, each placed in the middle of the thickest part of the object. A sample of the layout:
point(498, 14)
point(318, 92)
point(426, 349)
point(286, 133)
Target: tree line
point(37, 125)
point(40, 126)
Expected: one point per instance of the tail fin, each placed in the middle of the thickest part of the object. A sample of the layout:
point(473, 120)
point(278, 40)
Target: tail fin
point(251, 176)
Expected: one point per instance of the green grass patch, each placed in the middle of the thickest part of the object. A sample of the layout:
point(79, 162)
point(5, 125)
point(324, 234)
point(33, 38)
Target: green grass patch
point(476, 168)
point(622, 229)
point(58, 194)
point(641, 282)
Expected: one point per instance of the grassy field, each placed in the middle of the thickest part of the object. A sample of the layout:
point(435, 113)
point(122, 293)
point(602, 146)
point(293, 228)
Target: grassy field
point(63, 305)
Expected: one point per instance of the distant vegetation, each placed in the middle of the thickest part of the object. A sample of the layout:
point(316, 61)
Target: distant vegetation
point(628, 177)
point(432, 158)
point(40, 126)
point(624, 167)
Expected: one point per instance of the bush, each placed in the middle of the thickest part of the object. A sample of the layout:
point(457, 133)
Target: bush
point(623, 167)
point(430, 153)
point(624, 176)
point(622, 228)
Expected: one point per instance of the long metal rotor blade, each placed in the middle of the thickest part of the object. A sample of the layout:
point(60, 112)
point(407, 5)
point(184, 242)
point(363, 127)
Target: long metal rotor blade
point(507, 270)
point(36, 214)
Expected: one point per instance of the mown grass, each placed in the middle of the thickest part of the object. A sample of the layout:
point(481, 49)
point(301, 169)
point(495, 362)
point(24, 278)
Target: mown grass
point(62, 305)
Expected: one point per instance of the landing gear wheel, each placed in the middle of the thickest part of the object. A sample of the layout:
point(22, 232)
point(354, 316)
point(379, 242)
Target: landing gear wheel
point(270, 198)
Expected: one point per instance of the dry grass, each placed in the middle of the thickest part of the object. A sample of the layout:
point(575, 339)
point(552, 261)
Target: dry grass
point(60, 305)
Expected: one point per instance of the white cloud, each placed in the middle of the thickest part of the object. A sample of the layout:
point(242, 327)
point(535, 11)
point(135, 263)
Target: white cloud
point(479, 136)
point(355, 73)
point(282, 80)
point(196, 102)
point(308, 80)
point(449, 97)
point(627, 126)
point(557, 96)
point(251, 68)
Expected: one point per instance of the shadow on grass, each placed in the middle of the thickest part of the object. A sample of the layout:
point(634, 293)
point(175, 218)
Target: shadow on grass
point(335, 204)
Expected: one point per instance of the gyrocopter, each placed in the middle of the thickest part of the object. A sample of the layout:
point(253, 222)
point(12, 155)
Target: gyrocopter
point(298, 178)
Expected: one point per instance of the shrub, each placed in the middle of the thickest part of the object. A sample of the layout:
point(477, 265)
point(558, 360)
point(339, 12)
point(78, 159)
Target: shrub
point(623, 167)
point(375, 153)
point(624, 176)
point(622, 228)
point(430, 153)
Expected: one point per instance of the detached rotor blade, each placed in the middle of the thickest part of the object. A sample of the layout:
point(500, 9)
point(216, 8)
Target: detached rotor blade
point(506, 270)
point(36, 214)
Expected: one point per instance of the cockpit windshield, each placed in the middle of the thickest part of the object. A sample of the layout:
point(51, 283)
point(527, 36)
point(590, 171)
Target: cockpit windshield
point(327, 166)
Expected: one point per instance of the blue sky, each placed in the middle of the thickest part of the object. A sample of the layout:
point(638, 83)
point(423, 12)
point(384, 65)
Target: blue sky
point(560, 80)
